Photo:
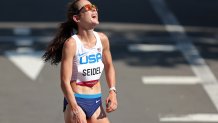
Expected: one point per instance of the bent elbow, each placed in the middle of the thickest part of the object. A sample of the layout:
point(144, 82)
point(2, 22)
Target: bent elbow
point(63, 85)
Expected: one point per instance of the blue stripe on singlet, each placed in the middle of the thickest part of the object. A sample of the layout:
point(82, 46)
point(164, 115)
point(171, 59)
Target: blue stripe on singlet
point(89, 96)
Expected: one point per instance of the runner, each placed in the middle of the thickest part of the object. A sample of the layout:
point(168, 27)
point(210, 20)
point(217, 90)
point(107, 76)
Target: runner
point(83, 54)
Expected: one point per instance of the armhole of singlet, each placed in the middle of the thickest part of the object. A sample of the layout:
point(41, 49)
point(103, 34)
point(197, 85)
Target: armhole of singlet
point(77, 42)
point(98, 39)
point(73, 77)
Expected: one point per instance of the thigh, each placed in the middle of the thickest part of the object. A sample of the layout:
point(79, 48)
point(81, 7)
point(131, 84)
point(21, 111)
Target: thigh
point(99, 116)
point(69, 117)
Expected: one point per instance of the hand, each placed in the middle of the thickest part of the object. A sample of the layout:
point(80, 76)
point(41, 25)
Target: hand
point(77, 116)
point(111, 102)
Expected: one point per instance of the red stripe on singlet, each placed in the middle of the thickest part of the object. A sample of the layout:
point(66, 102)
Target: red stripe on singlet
point(88, 83)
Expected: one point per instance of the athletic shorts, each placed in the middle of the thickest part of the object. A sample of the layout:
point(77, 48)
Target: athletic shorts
point(88, 102)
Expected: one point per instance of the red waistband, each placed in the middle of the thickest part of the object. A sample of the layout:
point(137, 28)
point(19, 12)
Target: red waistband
point(88, 83)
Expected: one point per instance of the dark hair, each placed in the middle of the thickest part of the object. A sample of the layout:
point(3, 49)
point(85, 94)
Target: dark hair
point(53, 52)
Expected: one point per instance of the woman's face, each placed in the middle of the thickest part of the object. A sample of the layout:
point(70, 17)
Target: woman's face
point(88, 14)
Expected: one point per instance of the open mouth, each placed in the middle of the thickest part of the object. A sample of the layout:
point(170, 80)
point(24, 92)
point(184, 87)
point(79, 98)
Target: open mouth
point(94, 16)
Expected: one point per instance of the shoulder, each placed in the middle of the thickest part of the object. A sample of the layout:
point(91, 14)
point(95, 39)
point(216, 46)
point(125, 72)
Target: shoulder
point(70, 43)
point(103, 36)
point(69, 47)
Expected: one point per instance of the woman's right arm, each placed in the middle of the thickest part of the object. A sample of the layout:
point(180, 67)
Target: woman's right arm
point(68, 53)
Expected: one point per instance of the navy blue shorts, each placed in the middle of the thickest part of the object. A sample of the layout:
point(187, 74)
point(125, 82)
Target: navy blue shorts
point(88, 102)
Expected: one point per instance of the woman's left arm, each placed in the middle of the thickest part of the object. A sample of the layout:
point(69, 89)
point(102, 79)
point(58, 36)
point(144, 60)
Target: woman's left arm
point(111, 100)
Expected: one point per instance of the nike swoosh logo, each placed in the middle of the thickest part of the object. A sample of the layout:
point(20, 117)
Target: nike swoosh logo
point(82, 54)
point(97, 101)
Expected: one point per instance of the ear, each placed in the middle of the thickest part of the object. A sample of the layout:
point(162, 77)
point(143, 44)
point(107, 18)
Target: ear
point(76, 18)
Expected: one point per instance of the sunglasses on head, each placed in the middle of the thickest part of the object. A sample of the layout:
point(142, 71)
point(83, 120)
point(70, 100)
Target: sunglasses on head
point(88, 7)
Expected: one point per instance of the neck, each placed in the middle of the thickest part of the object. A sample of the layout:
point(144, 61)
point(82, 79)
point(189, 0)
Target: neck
point(86, 35)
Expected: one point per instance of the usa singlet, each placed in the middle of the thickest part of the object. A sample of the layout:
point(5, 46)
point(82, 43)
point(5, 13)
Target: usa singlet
point(87, 63)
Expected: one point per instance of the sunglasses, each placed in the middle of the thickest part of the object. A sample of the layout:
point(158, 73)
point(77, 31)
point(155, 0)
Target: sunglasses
point(88, 7)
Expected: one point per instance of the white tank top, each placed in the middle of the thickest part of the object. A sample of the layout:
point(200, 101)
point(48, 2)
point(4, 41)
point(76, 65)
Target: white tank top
point(87, 63)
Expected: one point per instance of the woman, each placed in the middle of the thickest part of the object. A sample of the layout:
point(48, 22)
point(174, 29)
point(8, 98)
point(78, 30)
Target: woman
point(83, 54)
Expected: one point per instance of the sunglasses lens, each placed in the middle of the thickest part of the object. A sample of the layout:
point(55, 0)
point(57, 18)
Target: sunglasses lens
point(90, 7)
point(87, 7)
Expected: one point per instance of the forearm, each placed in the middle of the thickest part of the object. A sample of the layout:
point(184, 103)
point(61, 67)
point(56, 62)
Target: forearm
point(69, 94)
point(111, 101)
point(67, 90)
point(110, 76)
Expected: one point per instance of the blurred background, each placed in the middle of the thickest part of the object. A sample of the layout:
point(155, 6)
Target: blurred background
point(164, 53)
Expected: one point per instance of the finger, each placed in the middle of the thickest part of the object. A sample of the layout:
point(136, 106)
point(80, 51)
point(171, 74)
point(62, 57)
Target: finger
point(108, 105)
point(78, 120)
point(107, 100)
point(113, 106)
point(109, 109)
